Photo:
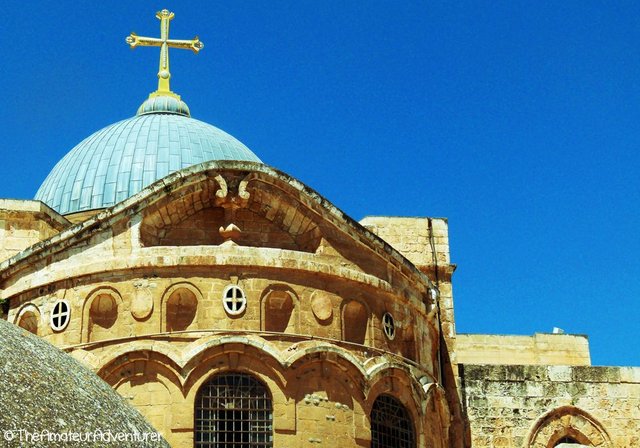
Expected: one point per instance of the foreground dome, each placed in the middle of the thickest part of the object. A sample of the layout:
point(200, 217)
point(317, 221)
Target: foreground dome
point(120, 160)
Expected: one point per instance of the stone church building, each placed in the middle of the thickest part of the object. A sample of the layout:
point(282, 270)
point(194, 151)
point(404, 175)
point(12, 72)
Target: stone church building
point(234, 306)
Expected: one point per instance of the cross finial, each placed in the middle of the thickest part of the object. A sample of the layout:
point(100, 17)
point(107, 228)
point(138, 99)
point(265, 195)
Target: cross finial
point(164, 43)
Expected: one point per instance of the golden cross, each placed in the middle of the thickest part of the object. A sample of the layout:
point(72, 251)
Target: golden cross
point(164, 43)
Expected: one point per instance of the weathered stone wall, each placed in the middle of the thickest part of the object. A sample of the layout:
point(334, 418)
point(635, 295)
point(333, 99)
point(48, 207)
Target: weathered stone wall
point(160, 368)
point(106, 309)
point(537, 406)
point(425, 242)
point(539, 349)
point(321, 394)
point(24, 223)
point(146, 307)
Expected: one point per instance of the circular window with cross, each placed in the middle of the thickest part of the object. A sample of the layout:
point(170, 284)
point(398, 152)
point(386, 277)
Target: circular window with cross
point(389, 326)
point(234, 300)
point(60, 315)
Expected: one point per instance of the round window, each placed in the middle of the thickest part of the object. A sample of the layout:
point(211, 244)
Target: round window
point(388, 325)
point(234, 300)
point(60, 315)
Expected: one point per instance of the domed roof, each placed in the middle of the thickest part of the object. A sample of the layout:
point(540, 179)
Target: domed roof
point(43, 388)
point(122, 159)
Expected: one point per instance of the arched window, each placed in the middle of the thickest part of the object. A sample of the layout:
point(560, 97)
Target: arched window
point(391, 425)
point(233, 410)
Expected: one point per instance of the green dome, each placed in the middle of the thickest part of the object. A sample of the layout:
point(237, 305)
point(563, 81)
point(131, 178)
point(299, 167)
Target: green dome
point(122, 159)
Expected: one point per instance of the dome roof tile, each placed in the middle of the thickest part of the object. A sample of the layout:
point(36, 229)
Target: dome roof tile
point(123, 158)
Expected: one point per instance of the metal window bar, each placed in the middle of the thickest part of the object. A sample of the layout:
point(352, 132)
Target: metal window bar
point(391, 425)
point(233, 410)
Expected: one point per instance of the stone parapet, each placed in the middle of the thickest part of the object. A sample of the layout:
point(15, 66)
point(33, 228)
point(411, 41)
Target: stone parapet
point(539, 349)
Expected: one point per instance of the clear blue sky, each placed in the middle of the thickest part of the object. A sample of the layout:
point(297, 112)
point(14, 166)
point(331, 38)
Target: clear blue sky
point(518, 121)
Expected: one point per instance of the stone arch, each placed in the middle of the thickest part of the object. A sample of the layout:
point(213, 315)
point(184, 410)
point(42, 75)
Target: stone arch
point(346, 367)
point(140, 375)
point(341, 357)
point(179, 307)
point(401, 385)
point(29, 318)
point(288, 221)
point(244, 358)
point(140, 364)
point(118, 353)
point(391, 423)
point(279, 307)
point(231, 354)
point(356, 322)
point(381, 366)
point(100, 313)
point(203, 348)
point(328, 389)
point(567, 421)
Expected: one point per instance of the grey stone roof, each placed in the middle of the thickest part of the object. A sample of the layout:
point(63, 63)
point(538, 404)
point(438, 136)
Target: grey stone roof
point(44, 389)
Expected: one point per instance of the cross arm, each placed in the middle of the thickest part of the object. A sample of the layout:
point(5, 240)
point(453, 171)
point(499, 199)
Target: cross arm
point(134, 41)
point(194, 44)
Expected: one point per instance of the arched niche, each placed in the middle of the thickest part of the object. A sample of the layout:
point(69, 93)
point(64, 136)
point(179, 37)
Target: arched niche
point(355, 322)
point(180, 307)
point(101, 314)
point(29, 318)
point(279, 309)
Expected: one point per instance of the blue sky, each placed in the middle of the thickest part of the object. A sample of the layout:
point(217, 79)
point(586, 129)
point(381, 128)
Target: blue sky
point(518, 121)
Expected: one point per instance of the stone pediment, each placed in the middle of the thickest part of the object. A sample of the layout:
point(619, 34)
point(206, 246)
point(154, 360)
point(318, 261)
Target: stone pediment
point(222, 204)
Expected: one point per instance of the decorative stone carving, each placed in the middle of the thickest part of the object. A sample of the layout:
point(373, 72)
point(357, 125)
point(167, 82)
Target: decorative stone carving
point(321, 306)
point(142, 304)
point(230, 233)
point(142, 301)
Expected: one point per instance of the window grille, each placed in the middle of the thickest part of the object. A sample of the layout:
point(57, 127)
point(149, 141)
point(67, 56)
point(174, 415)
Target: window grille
point(389, 326)
point(234, 300)
point(233, 410)
point(60, 315)
point(391, 425)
